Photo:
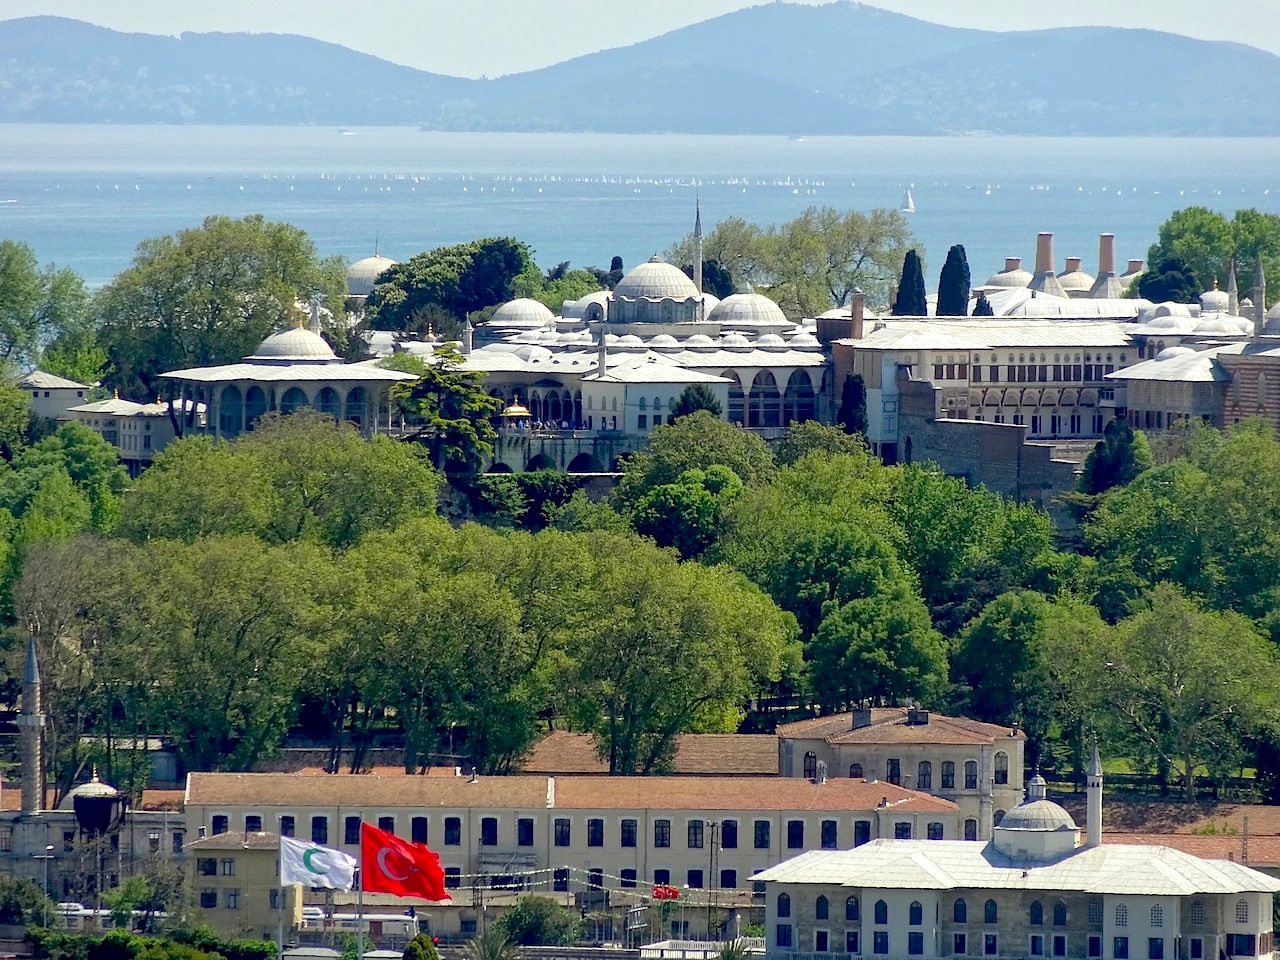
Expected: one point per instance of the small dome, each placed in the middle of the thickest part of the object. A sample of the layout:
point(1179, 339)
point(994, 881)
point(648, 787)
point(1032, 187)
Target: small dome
point(771, 340)
point(94, 789)
point(1076, 279)
point(362, 274)
point(1214, 301)
point(709, 303)
point(838, 313)
point(699, 340)
point(1216, 325)
point(296, 344)
point(664, 341)
point(1041, 815)
point(522, 312)
point(752, 309)
point(630, 340)
point(805, 339)
point(1011, 278)
point(525, 351)
point(1168, 353)
point(655, 280)
point(577, 309)
point(735, 340)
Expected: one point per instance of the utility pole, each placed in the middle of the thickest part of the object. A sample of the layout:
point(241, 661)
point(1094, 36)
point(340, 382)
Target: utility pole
point(712, 860)
point(46, 857)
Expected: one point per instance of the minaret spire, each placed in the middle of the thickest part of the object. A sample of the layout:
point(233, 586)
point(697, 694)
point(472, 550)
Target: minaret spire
point(697, 251)
point(1093, 792)
point(1233, 291)
point(602, 361)
point(31, 725)
point(1259, 299)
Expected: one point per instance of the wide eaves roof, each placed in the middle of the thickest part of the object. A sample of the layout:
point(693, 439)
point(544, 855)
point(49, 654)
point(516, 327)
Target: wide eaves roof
point(992, 334)
point(48, 381)
point(1197, 367)
point(1117, 869)
point(889, 725)
point(289, 373)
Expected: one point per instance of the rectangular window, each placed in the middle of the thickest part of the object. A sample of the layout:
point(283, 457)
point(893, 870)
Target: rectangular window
point(419, 829)
point(1241, 945)
point(880, 942)
point(958, 945)
point(452, 878)
point(782, 937)
point(662, 877)
point(728, 879)
point(662, 833)
point(560, 880)
point(1035, 423)
point(990, 945)
point(821, 941)
point(563, 834)
point(915, 943)
point(971, 829)
point(948, 775)
point(231, 898)
point(319, 829)
point(893, 771)
point(489, 831)
point(995, 374)
point(1095, 946)
point(287, 826)
point(387, 824)
point(695, 834)
point(851, 942)
point(694, 879)
point(938, 371)
point(1197, 948)
point(729, 835)
point(178, 838)
point(351, 830)
point(1059, 945)
point(861, 832)
point(795, 834)
point(1120, 948)
point(902, 830)
point(829, 831)
point(595, 879)
point(628, 835)
point(252, 823)
point(628, 877)
point(935, 831)
point(219, 825)
point(208, 898)
point(977, 373)
point(206, 866)
point(227, 867)
point(524, 832)
point(762, 835)
point(453, 831)
point(273, 898)
point(1155, 948)
point(642, 422)
point(595, 832)
point(1037, 945)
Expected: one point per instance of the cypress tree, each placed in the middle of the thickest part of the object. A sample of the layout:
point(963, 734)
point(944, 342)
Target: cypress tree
point(953, 284)
point(983, 307)
point(910, 301)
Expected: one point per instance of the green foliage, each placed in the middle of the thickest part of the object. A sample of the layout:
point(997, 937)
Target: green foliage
point(448, 409)
point(1116, 460)
point(22, 902)
point(1207, 244)
point(982, 306)
point(802, 439)
point(493, 944)
point(686, 514)
point(537, 921)
point(953, 284)
point(1172, 280)
point(15, 418)
point(695, 397)
point(852, 414)
point(36, 305)
point(421, 948)
point(911, 293)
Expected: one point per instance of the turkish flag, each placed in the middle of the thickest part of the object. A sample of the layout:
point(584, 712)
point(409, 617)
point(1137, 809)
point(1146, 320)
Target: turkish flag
point(389, 864)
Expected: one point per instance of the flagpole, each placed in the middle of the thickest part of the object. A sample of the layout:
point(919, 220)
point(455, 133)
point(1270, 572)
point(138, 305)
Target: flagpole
point(280, 903)
point(360, 897)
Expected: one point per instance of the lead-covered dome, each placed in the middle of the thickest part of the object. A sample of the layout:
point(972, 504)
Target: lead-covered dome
point(748, 309)
point(362, 274)
point(655, 280)
point(296, 345)
point(1042, 815)
point(522, 312)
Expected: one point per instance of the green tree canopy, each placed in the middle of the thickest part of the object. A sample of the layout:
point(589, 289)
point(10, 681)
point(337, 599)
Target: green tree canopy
point(448, 409)
point(695, 397)
point(1173, 280)
point(537, 921)
point(911, 300)
point(36, 305)
point(1206, 243)
point(953, 284)
point(1117, 459)
point(686, 514)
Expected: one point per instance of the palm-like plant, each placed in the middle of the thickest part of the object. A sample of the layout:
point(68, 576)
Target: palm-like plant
point(493, 945)
point(733, 950)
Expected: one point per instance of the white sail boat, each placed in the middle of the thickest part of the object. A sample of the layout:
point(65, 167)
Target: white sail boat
point(908, 205)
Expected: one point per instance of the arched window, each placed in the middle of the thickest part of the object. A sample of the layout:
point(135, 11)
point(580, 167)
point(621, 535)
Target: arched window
point(811, 765)
point(1037, 913)
point(644, 404)
point(293, 399)
point(851, 911)
point(1157, 915)
point(960, 912)
point(855, 771)
point(1122, 915)
point(948, 775)
point(328, 403)
point(820, 909)
point(989, 912)
point(1002, 767)
point(971, 774)
point(784, 905)
point(1059, 914)
point(997, 817)
point(657, 403)
point(915, 914)
point(354, 406)
point(882, 912)
point(1242, 911)
point(924, 776)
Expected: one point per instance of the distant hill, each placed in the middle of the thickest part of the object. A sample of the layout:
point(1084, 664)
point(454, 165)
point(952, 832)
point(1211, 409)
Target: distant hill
point(843, 68)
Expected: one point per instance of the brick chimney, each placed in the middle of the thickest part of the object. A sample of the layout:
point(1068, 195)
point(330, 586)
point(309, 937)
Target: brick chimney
point(857, 311)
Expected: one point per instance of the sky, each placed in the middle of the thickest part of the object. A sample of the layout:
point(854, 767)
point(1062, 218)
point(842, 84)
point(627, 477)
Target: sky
point(493, 37)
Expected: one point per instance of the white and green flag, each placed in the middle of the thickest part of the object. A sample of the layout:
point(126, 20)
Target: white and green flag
point(315, 866)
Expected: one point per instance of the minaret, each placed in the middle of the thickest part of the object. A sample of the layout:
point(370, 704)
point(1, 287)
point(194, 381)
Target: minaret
point(1093, 790)
point(468, 336)
point(1259, 299)
point(1233, 292)
point(602, 362)
point(31, 727)
point(697, 253)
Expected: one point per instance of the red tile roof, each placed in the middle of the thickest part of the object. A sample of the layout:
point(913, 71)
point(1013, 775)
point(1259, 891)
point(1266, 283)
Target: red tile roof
point(715, 754)
point(1262, 852)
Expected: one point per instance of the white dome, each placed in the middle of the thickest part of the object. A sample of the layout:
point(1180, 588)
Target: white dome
point(1041, 815)
point(664, 341)
point(1168, 353)
point(295, 344)
point(1076, 280)
point(94, 789)
point(804, 340)
point(770, 340)
point(838, 313)
point(735, 340)
point(655, 280)
point(362, 274)
point(699, 340)
point(630, 340)
point(1217, 325)
point(1214, 301)
point(752, 309)
point(522, 312)
point(577, 309)
point(709, 303)
point(1009, 278)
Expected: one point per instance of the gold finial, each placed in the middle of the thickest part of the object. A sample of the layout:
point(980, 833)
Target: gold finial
point(94, 778)
point(117, 393)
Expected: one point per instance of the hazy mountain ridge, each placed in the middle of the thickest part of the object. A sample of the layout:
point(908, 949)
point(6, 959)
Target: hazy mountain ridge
point(843, 68)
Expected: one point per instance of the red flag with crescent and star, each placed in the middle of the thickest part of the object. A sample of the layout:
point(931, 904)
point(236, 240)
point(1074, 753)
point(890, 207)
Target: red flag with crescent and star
point(389, 864)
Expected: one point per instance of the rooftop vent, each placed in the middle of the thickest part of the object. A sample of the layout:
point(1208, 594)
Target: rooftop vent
point(917, 717)
point(861, 717)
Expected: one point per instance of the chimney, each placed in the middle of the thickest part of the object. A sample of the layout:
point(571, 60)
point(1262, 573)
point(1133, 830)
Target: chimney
point(1074, 264)
point(1045, 280)
point(857, 310)
point(1012, 263)
point(1108, 285)
point(1106, 253)
point(1135, 266)
point(861, 717)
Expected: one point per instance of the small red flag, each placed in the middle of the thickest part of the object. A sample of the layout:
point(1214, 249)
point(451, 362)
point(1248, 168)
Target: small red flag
point(389, 864)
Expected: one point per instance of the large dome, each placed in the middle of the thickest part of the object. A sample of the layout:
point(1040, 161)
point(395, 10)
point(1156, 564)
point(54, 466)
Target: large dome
point(362, 274)
point(1038, 815)
point(297, 345)
point(655, 280)
point(748, 309)
point(523, 312)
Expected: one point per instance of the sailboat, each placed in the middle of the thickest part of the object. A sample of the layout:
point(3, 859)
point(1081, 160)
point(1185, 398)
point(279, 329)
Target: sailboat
point(908, 205)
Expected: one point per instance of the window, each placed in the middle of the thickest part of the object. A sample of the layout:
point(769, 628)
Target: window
point(1037, 945)
point(1242, 911)
point(1059, 945)
point(997, 817)
point(1002, 767)
point(1120, 948)
point(1122, 915)
point(880, 942)
point(795, 834)
point(1157, 915)
point(881, 912)
point(851, 910)
point(1095, 946)
point(627, 837)
point(784, 905)
point(252, 823)
point(178, 838)
point(1155, 948)
point(220, 825)
point(729, 835)
point(893, 771)
point(948, 775)
point(1241, 945)
point(387, 824)
point(810, 765)
point(1197, 948)
point(560, 880)
point(990, 945)
point(1095, 911)
point(1197, 912)
point(782, 938)
point(662, 833)
point(1059, 914)
point(959, 944)
point(351, 830)
point(231, 898)
point(595, 879)
point(563, 833)
point(418, 829)
point(902, 830)
point(206, 867)
point(829, 832)
point(208, 898)
point(1037, 913)
point(989, 912)
point(693, 879)
point(524, 832)
point(287, 826)
point(69, 837)
point(319, 829)
point(628, 877)
point(971, 829)
point(915, 914)
point(762, 835)
point(915, 943)
point(452, 831)
point(851, 942)
point(695, 834)
point(642, 421)
point(971, 774)
point(729, 879)
point(934, 831)
point(595, 832)
point(662, 877)
point(924, 775)
point(227, 866)
point(821, 909)
point(489, 831)
point(855, 771)
point(861, 832)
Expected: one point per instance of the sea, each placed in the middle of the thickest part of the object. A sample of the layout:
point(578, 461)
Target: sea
point(84, 196)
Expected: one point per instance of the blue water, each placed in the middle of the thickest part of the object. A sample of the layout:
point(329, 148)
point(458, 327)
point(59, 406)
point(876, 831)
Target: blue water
point(83, 196)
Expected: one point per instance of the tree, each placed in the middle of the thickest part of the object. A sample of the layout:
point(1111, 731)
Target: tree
point(35, 305)
point(22, 902)
point(716, 280)
point(953, 284)
point(852, 414)
point(982, 306)
point(1208, 244)
point(1171, 281)
point(911, 300)
point(695, 397)
point(492, 944)
point(735, 245)
point(15, 417)
point(1116, 459)
point(210, 295)
point(811, 436)
point(448, 407)
point(537, 921)
point(686, 514)
point(420, 947)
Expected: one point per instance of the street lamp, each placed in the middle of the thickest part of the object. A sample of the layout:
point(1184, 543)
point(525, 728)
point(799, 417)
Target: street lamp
point(46, 857)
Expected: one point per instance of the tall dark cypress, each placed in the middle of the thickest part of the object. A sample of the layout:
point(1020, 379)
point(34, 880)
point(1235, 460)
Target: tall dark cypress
point(911, 301)
point(953, 284)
